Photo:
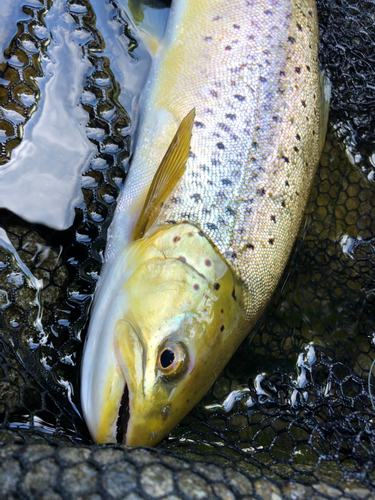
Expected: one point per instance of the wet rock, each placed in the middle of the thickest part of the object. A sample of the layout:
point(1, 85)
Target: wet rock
point(72, 455)
point(105, 456)
point(326, 490)
point(239, 482)
point(50, 495)
point(80, 479)
point(10, 472)
point(33, 453)
point(141, 456)
point(119, 478)
point(39, 477)
point(297, 491)
point(223, 492)
point(157, 480)
point(267, 490)
point(193, 486)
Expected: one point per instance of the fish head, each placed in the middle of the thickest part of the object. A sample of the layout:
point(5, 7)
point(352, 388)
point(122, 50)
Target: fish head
point(175, 333)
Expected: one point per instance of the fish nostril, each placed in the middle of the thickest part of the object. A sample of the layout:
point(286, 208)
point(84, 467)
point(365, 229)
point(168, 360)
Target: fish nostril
point(123, 417)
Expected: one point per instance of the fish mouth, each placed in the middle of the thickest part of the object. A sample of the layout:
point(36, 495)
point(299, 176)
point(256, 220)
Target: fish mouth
point(123, 417)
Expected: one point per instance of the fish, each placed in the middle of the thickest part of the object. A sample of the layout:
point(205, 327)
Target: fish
point(234, 119)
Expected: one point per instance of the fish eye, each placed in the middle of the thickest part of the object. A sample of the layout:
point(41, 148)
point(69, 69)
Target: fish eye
point(171, 359)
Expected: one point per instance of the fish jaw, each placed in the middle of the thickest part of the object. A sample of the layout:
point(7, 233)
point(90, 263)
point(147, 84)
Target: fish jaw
point(101, 392)
point(103, 379)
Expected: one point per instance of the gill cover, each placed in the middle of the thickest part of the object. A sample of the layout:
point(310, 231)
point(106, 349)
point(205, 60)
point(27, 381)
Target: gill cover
point(181, 322)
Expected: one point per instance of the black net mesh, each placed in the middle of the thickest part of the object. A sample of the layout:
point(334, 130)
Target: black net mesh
point(291, 416)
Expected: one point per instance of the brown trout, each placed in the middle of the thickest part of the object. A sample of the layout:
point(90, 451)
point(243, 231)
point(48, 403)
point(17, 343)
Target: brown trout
point(234, 120)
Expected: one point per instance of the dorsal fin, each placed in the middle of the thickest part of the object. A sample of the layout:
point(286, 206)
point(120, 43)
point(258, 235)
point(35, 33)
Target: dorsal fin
point(167, 175)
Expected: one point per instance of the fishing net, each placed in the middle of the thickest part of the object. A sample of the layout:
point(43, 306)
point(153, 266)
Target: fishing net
point(291, 416)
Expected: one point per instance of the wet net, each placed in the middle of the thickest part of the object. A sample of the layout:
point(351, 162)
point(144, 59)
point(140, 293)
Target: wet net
point(291, 416)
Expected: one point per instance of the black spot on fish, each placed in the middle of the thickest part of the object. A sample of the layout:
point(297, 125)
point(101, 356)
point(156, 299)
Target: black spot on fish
point(307, 67)
point(291, 39)
point(298, 137)
point(201, 233)
point(282, 73)
point(287, 183)
point(273, 218)
point(196, 286)
point(240, 98)
point(249, 246)
point(230, 255)
point(268, 12)
point(286, 159)
point(228, 47)
point(208, 263)
point(283, 204)
point(199, 124)
point(236, 27)
point(216, 286)
point(222, 328)
point(224, 127)
point(313, 132)
point(230, 116)
point(262, 79)
point(234, 294)
point(270, 241)
point(254, 144)
point(220, 145)
point(182, 259)
point(303, 103)
point(207, 38)
point(176, 239)
point(226, 182)
point(296, 149)
point(213, 93)
point(196, 197)
point(297, 69)
point(231, 211)
point(297, 193)
point(171, 221)
point(299, 27)
point(261, 192)
point(211, 226)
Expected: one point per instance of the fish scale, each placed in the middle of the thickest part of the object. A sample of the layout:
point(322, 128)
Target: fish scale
point(256, 132)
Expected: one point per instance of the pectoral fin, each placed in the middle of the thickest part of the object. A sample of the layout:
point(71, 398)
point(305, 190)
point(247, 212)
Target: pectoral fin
point(168, 174)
